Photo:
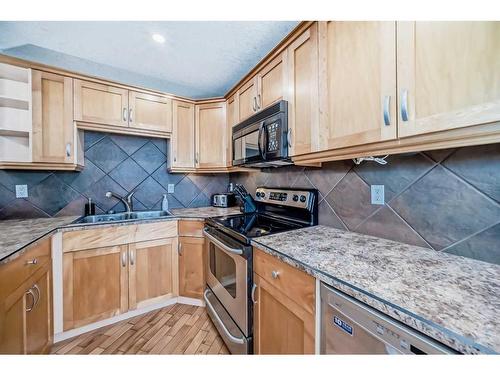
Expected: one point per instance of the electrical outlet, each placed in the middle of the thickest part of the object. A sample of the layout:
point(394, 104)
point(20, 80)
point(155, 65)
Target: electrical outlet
point(21, 191)
point(170, 188)
point(378, 194)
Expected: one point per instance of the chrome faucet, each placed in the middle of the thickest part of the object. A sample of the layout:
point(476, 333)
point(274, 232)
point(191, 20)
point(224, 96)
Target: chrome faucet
point(127, 200)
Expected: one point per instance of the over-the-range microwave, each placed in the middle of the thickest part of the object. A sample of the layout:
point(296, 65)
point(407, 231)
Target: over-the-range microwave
point(262, 140)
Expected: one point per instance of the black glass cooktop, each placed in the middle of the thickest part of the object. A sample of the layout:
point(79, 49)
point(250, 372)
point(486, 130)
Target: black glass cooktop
point(255, 225)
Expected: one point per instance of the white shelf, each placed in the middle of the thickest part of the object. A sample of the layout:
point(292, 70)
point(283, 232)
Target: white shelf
point(15, 148)
point(15, 90)
point(15, 119)
point(15, 73)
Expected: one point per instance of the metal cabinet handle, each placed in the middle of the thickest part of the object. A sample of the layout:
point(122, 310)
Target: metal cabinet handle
point(196, 158)
point(254, 107)
point(275, 274)
point(259, 101)
point(231, 338)
point(289, 137)
point(404, 105)
point(38, 294)
point(132, 257)
point(68, 149)
point(387, 110)
point(130, 115)
point(222, 245)
point(33, 261)
point(179, 248)
point(124, 259)
point(30, 292)
point(254, 288)
point(124, 114)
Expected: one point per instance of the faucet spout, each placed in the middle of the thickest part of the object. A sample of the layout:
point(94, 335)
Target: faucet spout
point(127, 200)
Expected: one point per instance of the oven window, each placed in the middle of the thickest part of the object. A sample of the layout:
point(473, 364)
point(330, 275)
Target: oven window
point(223, 267)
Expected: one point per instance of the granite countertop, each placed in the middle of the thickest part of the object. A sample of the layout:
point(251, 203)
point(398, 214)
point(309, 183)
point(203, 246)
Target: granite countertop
point(452, 299)
point(15, 235)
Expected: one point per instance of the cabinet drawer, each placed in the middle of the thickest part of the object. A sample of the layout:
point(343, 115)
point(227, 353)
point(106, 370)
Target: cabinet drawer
point(296, 284)
point(191, 228)
point(14, 273)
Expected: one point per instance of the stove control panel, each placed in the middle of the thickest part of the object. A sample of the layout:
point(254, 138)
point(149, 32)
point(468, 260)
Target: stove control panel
point(285, 197)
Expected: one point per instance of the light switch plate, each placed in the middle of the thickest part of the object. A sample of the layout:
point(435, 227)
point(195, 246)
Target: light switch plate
point(170, 188)
point(21, 191)
point(378, 194)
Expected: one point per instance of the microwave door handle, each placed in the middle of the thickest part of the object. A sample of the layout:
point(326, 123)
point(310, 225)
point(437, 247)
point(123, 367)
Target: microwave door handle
point(264, 143)
point(259, 138)
point(222, 245)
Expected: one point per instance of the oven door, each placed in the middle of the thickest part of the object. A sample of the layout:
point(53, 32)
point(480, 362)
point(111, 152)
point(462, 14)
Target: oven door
point(226, 271)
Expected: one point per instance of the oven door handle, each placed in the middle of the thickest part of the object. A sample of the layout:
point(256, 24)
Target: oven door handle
point(221, 244)
point(231, 338)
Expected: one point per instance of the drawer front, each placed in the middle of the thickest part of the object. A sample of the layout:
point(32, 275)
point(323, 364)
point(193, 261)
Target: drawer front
point(191, 228)
point(299, 286)
point(14, 273)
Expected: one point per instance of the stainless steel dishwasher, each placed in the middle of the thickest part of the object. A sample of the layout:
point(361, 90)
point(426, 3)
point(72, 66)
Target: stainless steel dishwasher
point(350, 327)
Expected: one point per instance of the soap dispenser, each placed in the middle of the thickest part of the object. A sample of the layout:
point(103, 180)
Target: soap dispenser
point(164, 203)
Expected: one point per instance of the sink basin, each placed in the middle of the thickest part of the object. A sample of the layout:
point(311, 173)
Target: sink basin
point(123, 216)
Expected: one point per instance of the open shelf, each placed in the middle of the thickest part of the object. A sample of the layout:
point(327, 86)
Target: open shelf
point(15, 148)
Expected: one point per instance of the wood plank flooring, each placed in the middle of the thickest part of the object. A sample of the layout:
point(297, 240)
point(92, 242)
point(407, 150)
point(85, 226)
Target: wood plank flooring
point(176, 329)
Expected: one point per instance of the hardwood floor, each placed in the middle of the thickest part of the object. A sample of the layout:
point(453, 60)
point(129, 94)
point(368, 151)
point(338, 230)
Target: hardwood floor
point(176, 329)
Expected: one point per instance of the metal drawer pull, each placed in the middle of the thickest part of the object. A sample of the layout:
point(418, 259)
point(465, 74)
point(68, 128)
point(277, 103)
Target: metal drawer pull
point(30, 292)
point(124, 114)
point(254, 288)
point(404, 105)
point(275, 274)
point(37, 295)
point(222, 245)
point(231, 338)
point(132, 257)
point(387, 110)
point(124, 259)
point(179, 248)
point(33, 261)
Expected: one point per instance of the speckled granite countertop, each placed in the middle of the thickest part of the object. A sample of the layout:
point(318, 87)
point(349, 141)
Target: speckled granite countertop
point(15, 235)
point(453, 299)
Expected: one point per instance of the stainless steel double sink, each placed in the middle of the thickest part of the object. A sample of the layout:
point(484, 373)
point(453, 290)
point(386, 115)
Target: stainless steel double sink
point(122, 216)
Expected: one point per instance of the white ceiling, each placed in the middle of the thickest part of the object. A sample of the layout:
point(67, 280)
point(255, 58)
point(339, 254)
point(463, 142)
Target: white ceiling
point(199, 59)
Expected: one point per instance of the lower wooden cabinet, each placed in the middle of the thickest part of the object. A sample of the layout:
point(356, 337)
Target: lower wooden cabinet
point(191, 267)
point(108, 281)
point(284, 311)
point(26, 315)
point(152, 272)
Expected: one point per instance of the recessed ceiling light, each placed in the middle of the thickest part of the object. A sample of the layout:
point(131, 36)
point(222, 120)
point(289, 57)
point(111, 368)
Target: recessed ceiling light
point(158, 38)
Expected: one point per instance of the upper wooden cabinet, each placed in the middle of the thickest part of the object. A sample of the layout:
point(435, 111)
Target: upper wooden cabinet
point(150, 112)
point(303, 92)
point(55, 137)
point(247, 99)
point(183, 135)
point(448, 75)
point(102, 104)
point(358, 92)
point(211, 135)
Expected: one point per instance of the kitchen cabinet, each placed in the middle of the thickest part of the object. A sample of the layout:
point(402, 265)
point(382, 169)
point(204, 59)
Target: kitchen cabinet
point(191, 267)
point(211, 135)
point(272, 82)
point(101, 104)
point(358, 100)
point(247, 99)
point(94, 285)
point(152, 272)
point(183, 136)
point(26, 302)
point(303, 92)
point(55, 137)
point(448, 74)
point(150, 112)
point(284, 307)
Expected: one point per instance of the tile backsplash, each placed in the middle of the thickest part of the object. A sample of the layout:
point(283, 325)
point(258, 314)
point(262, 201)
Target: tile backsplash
point(113, 162)
point(447, 200)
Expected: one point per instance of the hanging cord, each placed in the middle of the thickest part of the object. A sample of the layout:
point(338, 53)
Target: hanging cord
point(380, 161)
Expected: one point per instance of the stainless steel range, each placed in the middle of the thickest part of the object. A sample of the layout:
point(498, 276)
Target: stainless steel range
point(229, 256)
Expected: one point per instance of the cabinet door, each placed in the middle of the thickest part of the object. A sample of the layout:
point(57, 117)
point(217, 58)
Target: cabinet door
point(53, 127)
point(12, 327)
point(100, 104)
point(150, 112)
point(191, 267)
point(272, 82)
point(448, 75)
point(39, 330)
point(303, 110)
point(232, 120)
point(247, 99)
point(358, 98)
point(281, 326)
point(153, 274)
point(183, 140)
point(95, 285)
point(211, 135)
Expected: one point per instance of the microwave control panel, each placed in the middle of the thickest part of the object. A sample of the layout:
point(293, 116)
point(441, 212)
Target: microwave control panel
point(273, 137)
